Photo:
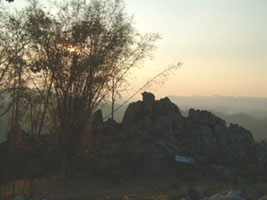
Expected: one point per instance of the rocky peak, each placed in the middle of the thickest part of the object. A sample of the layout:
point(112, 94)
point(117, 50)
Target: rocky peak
point(148, 101)
point(152, 114)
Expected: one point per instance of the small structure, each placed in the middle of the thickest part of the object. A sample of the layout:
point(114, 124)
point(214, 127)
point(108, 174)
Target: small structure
point(186, 160)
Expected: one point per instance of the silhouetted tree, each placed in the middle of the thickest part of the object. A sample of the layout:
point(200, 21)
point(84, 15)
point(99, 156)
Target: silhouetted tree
point(12, 80)
point(81, 50)
point(12, 43)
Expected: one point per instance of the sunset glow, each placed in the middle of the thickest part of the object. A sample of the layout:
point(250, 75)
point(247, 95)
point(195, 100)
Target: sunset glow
point(72, 49)
point(221, 43)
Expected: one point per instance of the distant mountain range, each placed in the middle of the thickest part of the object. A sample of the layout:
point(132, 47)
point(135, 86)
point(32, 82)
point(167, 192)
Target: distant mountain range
point(252, 106)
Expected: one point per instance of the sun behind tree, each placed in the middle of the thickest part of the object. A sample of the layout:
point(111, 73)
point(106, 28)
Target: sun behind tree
point(78, 50)
point(72, 49)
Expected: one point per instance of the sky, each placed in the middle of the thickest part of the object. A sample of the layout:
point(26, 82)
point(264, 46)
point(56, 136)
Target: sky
point(221, 43)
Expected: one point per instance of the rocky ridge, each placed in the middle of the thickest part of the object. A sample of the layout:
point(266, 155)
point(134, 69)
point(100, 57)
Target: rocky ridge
point(154, 131)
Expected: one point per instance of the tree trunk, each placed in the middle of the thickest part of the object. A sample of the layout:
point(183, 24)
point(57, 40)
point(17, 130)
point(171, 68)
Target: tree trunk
point(112, 108)
point(68, 163)
point(64, 167)
point(45, 108)
point(70, 139)
point(113, 99)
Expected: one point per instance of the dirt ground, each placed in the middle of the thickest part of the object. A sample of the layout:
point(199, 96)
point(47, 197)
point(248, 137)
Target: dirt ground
point(99, 188)
point(144, 188)
point(94, 188)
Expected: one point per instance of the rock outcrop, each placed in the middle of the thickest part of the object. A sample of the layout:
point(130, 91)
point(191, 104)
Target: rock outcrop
point(154, 131)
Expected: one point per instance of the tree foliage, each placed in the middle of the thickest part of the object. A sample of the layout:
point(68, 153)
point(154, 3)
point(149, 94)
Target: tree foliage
point(73, 57)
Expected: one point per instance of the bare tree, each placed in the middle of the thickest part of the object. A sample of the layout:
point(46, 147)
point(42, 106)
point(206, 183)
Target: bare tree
point(12, 43)
point(77, 54)
point(17, 79)
point(12, 82)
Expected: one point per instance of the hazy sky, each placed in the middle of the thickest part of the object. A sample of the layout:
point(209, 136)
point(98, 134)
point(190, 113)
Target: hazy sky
point(221, 43)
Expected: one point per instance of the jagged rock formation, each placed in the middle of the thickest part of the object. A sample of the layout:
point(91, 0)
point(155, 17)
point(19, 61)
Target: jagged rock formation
point(205, 132)
point(154, 131)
